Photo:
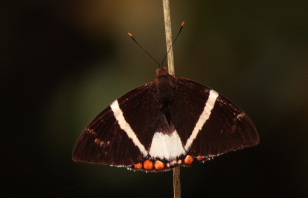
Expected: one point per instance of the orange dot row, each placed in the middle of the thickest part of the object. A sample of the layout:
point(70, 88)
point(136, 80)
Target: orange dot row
point(158, 165)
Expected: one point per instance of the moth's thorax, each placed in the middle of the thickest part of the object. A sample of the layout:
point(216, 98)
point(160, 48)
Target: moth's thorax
point(165, 84)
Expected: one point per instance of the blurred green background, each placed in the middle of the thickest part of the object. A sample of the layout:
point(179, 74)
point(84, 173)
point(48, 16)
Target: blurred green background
point(62, 62)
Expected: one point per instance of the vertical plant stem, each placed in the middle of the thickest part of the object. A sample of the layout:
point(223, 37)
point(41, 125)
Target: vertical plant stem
point(176, 170)
point(176, 182)
point(168, 36)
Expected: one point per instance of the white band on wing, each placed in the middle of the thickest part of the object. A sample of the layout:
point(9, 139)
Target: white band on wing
point(118, 114)
point(205, 115)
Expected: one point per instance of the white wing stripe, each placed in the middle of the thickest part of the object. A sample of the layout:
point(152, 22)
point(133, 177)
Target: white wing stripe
point(205, 115)
point(124, 125)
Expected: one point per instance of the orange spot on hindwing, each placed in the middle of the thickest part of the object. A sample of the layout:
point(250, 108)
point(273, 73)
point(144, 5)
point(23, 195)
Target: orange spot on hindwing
point(188, 159)
point(138, 166)
point(148, 164)
point(200, 158)
point(159, 165)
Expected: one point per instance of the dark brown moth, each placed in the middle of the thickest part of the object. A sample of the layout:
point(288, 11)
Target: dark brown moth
point(165, 123)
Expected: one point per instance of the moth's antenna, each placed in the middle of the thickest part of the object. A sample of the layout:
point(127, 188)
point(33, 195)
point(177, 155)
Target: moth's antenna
point(131, 36)
point(182, 25)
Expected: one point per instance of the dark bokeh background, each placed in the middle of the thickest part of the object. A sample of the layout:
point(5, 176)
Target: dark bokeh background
point(62, 62)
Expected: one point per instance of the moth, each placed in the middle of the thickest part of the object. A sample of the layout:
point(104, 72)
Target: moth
point(165, 123)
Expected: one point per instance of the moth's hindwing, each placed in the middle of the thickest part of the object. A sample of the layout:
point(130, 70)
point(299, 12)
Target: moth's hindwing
point(227, 127)
point(105, 142)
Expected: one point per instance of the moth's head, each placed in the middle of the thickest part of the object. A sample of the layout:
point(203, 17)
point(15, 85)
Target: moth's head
point(163, 71)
